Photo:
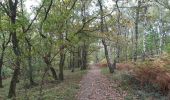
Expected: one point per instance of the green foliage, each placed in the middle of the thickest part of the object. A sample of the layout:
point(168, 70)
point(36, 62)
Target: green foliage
point(150, 41)
point(6, 72)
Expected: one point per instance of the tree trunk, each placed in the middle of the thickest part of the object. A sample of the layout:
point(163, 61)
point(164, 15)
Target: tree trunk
point(126, 47)
point(1, 63)
point(160, 32)
point(47, 59)
point(61, 65)
point(16, 49)
point(79, 57)
point(30, 70)
point(118, 33)
point(30, 64)
point(62, 59)
point(15, 79)
point(136, 30)
point(84, 56)
point(107, 57)
point(12, 89)
point(54, 73)
point(2, 55)
point(103, 40)
point(144, 35)
point(73, 61)
point(70, 61)
point(96, 58)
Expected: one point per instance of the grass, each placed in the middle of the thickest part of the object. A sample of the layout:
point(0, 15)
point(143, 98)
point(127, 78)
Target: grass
point(125, 82)
point(52, 90)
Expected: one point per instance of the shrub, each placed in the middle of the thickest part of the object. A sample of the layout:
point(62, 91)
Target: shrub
point(102, 63)
point(154, 72)
point(6, 72)
point(125, 66)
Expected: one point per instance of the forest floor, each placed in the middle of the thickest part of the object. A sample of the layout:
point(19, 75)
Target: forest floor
point(96, 86)
point(52, 90)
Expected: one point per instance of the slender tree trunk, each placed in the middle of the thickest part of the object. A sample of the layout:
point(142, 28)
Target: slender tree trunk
point(132, 48)
point(30, 70)
point(84, 56)
point(97, 58)
point(111, 68)
point(160, 32)
point(1, 58)
point(118, 33)
point(107, 57)
point(73, 61)
point(136, 30)
point(62, 59)
point(53, 72)
point(12, 89)
point(70, 61)
point(127, 44)
point(1, 63)
point(30, 63)
point(47, 60)
point(61, 65)
point(144, 35)
point(79, 57)
point(16, 49)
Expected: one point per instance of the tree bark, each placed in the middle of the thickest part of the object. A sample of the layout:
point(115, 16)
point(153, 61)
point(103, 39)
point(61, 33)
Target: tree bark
point(144, 35)
point(16, 49)
point(107, 57)
point(1, 58)
point(62, 59)
point(84, 56)
point(136, 30)
point(160, 32)
point(30, 70)
point(79, 57)
point(30, 63)
point(12, 89)
point(54, 73)
point(61, 65)
point(47, 60)
point(73, 61)
point(118, 33)
point(1, 63)
point(111, 68)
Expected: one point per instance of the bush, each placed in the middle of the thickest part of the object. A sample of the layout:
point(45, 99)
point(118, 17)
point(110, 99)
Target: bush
point(102, 63)
point(154, 72)
point(6, 72)
point(125, 66)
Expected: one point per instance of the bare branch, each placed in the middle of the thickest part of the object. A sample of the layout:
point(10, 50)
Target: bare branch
point(35, 17)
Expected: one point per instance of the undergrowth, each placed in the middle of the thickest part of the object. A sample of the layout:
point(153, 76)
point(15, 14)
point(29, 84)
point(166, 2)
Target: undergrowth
point(52, 90)
point(149, 80)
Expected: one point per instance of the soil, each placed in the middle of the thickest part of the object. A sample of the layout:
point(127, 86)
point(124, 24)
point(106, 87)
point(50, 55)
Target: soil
point(96, 86)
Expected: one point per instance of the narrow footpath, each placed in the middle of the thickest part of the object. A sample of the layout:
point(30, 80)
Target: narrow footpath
point(96, 86)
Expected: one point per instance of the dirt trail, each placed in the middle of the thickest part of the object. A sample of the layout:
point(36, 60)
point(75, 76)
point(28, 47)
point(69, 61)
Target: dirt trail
point(95, 86)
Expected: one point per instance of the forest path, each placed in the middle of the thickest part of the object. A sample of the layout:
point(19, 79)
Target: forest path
point(95, 86)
